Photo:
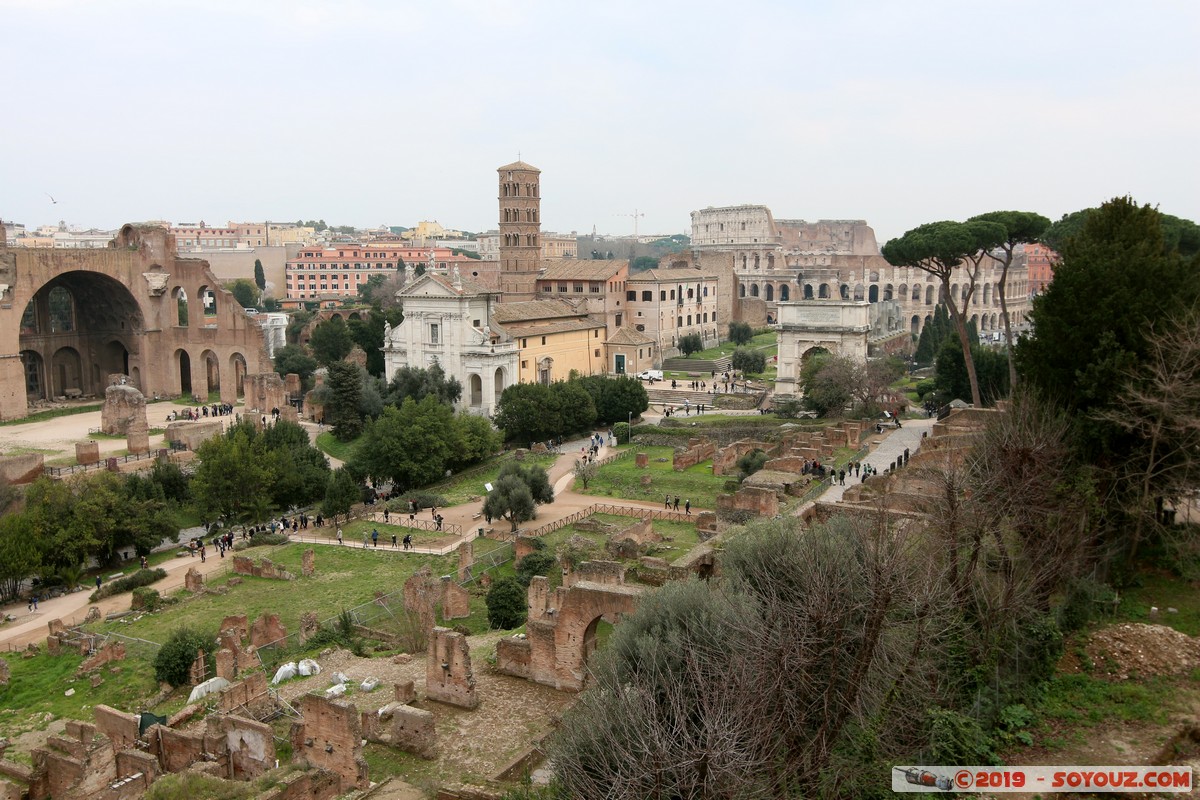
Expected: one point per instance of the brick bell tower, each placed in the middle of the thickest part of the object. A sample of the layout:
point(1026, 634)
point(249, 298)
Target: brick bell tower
point(520, 230)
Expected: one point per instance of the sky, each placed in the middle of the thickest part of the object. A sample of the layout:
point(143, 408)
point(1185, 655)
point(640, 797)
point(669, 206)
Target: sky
point(365, 112)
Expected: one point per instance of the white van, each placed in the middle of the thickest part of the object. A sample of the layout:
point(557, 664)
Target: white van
point(650, 375)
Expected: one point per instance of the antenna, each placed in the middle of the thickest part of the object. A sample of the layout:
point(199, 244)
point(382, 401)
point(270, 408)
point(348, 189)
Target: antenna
point(635, 216)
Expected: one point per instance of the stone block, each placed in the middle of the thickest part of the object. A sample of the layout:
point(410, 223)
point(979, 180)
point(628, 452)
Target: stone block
point(448, 674)
point(87, 452)
point(456, 601)
point(137, 442)
point(330, 738)
point(193, 580)
point(308, 563)
point(124, 410)
point(22, 468)
point(642, 460)
point(466, 560)
point(267, 629)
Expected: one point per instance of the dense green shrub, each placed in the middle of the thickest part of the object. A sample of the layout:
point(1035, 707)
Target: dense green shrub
point(1085, 600)
point(146, 598)
point(423, 500)
point(268, 539)
point(174, 661)
point(506, 604)
point(143, 577)
point(955, 738)
point(540, 563)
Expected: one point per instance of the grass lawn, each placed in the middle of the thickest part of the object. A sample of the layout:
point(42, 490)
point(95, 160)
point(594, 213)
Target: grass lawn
point(345, 577)
point(330, 445)
point(38, 686)
point(1162, 589)
point(623, 479)
point(460, 490)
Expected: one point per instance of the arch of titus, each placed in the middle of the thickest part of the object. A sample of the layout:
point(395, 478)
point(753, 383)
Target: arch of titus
point(807, 326)
point(71, 318)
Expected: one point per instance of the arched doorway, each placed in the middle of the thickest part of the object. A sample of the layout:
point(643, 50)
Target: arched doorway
point(873, 293)
point(808, 292)
point(915, 326)
point(769, 293)
point(784, 295)
point(237, 368)
point(212, 374)
point(754, 290)
point(741, 290)
point(475, 390)
point(78, 328)
point(183, 363)
point(595, 636)
point(498, 382)
point(66, 370)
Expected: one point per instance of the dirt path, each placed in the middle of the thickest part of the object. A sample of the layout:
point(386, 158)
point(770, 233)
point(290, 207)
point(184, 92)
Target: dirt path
point(72, 608)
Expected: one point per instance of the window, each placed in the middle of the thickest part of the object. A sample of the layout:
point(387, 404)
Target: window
point(596, 333)
point(524, 343)
point(475, 323)
point(524, 365)
point(706, 291)
point(633, 295)
point(433, 333)
point(672, 294)
point(647, 296)
point(662, 295)
point(679, 322)
point(640, 327)
point(562, 288)
point(689, 320)
point(543, 340)
point(596, 353)
point(579, 288)
point(618, 321)
point(595, 288)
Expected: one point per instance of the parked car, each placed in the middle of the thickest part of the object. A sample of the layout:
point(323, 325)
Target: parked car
point(650, 375)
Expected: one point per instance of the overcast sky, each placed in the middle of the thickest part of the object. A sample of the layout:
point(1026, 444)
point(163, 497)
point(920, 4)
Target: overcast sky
point(375, 112)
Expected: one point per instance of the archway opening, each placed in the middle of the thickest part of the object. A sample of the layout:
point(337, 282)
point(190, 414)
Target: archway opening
point(498, 381)
point(784, 295)
point(184, 364)
point(769, 292)
point(873, 294)
point(823, 292)
point(208, 300)
point(754, 290)
point(78, 328)
point(212, 373)
point(475, 387)
point(595, 636)
point(181, 306)
point(238, 369)
point(808, 292)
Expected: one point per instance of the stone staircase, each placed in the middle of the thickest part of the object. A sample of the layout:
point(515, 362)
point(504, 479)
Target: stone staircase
point(705, 367)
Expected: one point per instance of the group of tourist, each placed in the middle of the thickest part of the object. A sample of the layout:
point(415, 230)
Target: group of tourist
point(668, 505)
point(202, 412)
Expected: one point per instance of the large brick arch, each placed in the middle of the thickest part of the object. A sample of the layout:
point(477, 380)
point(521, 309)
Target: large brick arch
point(126, 310)
point(556, 645)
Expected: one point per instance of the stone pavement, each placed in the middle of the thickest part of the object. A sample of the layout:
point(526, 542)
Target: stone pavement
point(885, 449)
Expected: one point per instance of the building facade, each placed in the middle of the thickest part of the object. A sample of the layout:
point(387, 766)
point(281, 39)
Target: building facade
point(1039, 262)
point(668, 304)
point(554, 339)
point(599, 284)
point(338, 271)
point(449, 321)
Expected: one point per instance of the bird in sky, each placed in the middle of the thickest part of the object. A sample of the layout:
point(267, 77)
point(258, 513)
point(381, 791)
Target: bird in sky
point(52, 200)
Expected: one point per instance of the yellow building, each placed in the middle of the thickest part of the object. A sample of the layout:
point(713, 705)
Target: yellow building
point(428, 231)
point(554, 338)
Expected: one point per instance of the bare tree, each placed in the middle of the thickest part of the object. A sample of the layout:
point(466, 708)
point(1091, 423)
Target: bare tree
point(1160, 407)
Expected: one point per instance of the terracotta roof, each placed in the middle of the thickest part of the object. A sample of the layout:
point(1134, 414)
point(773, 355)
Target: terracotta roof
point(580, 268)
point(670, 275)
point(629, 336)
point(529, 310)
point(469, 287)
point(518, 165)
point(518, 331)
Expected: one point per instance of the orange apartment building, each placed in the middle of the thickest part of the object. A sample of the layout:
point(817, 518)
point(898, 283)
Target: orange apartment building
point(321, 273)
point(1041, 260)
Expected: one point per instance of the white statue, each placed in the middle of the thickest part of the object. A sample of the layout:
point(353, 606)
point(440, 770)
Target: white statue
point(387, 332)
